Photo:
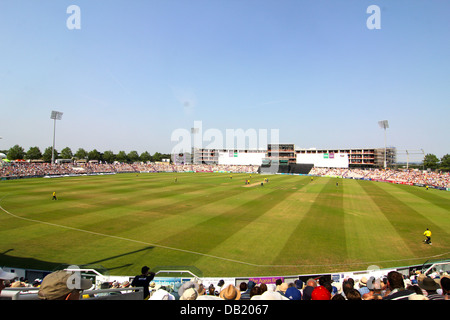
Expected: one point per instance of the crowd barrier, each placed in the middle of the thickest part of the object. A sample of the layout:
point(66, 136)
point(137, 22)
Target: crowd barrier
point(175, 277)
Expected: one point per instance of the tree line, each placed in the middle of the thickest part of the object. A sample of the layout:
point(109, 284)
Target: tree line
point(34, 153)
point(16, 152)
point(431, 161)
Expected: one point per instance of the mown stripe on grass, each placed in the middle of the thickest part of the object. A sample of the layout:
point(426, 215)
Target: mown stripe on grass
point(117, 216)
point(120, 216)
point(82, 202)
point(431, 196)
point(158, 221)
point(408, 223)
point(437, 213)
point(190, 211)
point(321, 232)
point(263, 239)
point(209, 234)
point(368, 229)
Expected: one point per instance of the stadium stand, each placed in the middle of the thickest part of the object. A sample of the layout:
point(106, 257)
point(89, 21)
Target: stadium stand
point(17, 170)
point(27, 170)
point(423, 282)
point(410, 177)
point(440, 180)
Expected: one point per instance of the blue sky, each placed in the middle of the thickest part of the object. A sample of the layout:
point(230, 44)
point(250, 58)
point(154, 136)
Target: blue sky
point(138, 70)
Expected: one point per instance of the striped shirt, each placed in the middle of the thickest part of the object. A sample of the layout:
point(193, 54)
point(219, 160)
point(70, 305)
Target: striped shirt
point(435, 296)
point(399, 294)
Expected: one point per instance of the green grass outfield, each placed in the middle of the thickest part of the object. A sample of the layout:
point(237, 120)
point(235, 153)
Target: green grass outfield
point(291, 225)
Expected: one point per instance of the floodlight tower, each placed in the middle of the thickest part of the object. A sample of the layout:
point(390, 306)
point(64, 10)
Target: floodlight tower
point(56, 115)
point(384, 124)
point(194, 156)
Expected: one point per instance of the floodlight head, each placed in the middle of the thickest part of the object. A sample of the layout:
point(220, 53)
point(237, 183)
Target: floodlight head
point(383, 124)
point(56, 115)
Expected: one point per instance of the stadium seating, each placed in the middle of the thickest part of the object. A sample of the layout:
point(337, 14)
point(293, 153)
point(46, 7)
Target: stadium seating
point(367, 286)
point(411, 177)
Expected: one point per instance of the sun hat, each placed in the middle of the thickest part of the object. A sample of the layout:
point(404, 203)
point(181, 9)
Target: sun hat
point(374, 283)
point(7, 275)
point(189, 294)
point(161, 294)
point(363, 282)
point(320, 293)
point(58, 284)
point(428, 284)
point(230, 293)
point(187, 285)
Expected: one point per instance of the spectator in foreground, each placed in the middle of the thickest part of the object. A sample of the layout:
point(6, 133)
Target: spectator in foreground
point(445, 285)
point(230, 293)
point(194, 284)
point(246, 294)
point(353, 294)
point(263, 287)
point(375, 288)
point(363, 286)
point(5, 276)
point(321, 293)
point(143, 280)
point(337, 297)
point(347, 285)
point(256, 290)
point(299, 284)
point(293, 293)
point(430, 286)
point(243, 287)
point(282, 288)
point(396, 286)
point(310, 285)
point(189, 294)
point(60, 286)
point(162, 294)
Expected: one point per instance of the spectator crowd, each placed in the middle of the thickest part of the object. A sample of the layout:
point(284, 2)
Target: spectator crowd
point(25, 169)
point(425, 178)
point(392, 286)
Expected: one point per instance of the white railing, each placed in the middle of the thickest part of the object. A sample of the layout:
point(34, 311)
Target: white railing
point(31, 293)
